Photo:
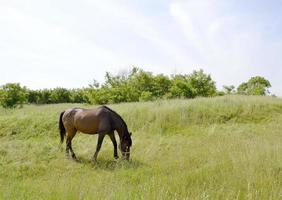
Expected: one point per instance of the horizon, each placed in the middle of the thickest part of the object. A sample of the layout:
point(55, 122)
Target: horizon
point(69, 44)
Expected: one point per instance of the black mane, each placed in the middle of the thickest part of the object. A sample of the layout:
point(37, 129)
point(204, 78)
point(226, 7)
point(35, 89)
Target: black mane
point(126, 135)
point(118, 117)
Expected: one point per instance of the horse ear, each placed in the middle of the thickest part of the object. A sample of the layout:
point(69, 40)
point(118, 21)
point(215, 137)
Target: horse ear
point(130, 133)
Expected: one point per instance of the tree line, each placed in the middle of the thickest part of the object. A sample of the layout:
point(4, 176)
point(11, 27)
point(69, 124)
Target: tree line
point(137, 85)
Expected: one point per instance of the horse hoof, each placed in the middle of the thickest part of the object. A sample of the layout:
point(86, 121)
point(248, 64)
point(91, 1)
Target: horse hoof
point(74, 157)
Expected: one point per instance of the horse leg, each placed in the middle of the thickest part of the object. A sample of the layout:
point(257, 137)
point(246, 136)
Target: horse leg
point(112, 136)
point(72, 153)
point(99, 144)
point(67, 147)
point(70, 136)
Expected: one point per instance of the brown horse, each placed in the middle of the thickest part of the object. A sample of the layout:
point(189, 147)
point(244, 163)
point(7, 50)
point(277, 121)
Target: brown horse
point(102, 121)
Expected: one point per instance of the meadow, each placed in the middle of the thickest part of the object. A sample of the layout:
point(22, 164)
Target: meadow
point(206, 148)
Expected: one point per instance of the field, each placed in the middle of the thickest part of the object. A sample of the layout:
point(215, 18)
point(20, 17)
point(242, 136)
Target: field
point(207, 148)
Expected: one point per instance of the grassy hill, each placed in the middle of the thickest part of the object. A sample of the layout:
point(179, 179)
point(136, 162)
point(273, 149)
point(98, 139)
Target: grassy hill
point(207, 148)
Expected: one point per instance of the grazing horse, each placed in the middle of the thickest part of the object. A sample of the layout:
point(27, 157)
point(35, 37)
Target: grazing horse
point(102, 121)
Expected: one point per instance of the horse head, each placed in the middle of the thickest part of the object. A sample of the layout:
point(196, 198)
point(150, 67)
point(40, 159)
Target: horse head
point(125, 145)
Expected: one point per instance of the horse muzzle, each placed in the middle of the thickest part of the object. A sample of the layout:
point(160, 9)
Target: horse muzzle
point(126, 155)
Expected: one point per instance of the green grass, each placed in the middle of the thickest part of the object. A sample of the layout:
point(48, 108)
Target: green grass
point(207, 148)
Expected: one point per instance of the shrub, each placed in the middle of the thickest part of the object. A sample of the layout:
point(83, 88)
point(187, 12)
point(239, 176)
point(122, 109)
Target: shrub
point(255, 86)
point(12, 95)
point(146, 96)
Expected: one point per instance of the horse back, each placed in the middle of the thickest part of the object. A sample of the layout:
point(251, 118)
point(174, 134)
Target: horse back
point(90, 121)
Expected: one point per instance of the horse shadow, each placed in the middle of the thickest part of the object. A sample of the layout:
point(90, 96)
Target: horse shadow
point(111, 165)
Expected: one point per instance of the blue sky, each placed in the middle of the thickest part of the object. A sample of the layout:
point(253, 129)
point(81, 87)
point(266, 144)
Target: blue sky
point(67, 43)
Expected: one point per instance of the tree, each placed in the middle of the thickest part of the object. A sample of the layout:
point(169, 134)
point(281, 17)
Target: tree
point(78, 96)
point(44, 96)
point(257, 85)
point(243, 88)
point(142, 81)
point(12, 95)
point(161, 85)
point(228, 89)
point(33, 96)
point(119, 88)
point(146, 96)
point(60, 95)
point(180, 87)
point(98, 95)
point(202, 84)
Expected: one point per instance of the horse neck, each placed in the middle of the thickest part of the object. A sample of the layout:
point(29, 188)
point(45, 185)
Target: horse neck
point(120, 125)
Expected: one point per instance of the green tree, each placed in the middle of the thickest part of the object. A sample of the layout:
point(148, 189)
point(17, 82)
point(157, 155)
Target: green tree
point(60, 95)
point(33, 96)
point(97, 95)
point(257, 85)
point(180, 87)
point(117, 88)
point(78, 96)
point(202, 84)
point(44, 96)
point(228, 89)
point(140, 85)
point(142, 81)
point(146, 96)
point(243, 88)
point(12, 95)
point(161, 85)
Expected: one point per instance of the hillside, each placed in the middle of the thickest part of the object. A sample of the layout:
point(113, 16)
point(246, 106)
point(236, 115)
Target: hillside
point(207, 148)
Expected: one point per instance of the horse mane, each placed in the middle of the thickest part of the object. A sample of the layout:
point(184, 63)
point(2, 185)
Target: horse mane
point(118, 116)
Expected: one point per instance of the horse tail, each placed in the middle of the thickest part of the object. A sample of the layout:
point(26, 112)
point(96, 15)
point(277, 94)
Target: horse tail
point(62, 127)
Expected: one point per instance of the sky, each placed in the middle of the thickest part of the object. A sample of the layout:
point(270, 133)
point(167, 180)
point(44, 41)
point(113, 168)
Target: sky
point(69, 43)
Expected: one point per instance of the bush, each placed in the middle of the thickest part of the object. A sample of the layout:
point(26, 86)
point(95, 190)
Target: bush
point(202, 84)
point(180, 87)
point(98, 96)
point(33, 96)
point(146, 96)
point(139, 85)
point(60, 95)
point(133, 86)
point(255, 86)
point(78, 96)
point(12, 95)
